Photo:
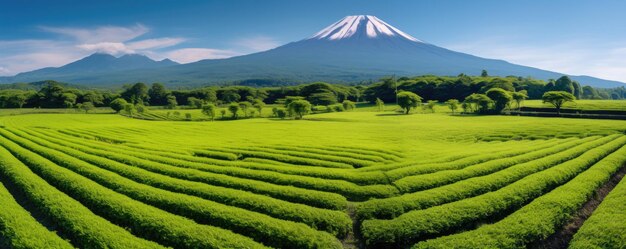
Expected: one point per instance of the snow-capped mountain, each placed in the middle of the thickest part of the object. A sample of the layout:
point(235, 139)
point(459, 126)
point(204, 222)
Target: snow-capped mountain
point(360, 27)
point(355, 48)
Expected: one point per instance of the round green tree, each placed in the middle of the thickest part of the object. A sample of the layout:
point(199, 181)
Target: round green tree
point(118, 104)
point(500, 97)
point(299, 108)
point(408, 101)
point(557, 99)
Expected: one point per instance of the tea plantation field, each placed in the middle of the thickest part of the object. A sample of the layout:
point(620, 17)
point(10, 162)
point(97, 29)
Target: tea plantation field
point(335, 180)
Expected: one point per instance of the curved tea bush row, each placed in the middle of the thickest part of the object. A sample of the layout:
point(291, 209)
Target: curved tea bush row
point(605, 228)
point(361, 178)
point(446, 159)
point(288, 193)
point(318, 151)
point(439, 178)
point(18, 229)
point(270, 231)
point(395, 206)
point(217, 155)
point(329, 158)
point(399, 173)
point(348, 189)
point(295, 160)
point(82, 227)
point(334, 222)
point(415, 225)
point(546, 214)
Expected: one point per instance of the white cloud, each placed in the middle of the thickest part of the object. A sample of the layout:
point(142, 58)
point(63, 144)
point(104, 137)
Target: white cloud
point(107, 47)
point(155, 43)
point(100, 34)
point(258, 43)
point(575, 57)
point(187, 55)
point(74, 43)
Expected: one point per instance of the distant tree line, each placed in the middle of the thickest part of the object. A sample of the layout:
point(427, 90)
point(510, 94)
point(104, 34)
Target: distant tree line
point(51, 94)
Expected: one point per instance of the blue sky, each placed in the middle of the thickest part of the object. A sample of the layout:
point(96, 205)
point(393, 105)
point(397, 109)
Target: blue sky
point(575, 37)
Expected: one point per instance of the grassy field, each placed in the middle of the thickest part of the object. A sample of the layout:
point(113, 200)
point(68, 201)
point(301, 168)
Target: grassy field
point(359, 179)
point(582, 104)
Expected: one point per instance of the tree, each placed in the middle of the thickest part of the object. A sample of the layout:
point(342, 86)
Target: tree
point(281, 113)
point(137, 93)
point(87, 106)
point(209, 110)
point(564, 84)
point(129, 109)
point(140, 108)
point(223, 112)
point(484, 73)
point(557, 99)
point(501, 98)
point(118, 104)
point(259, 104)
point(519, 97)
point(234, 108)
point(195, 102)
point(171, 102)
point(408, 100)
point(299, 108)
point(380, 104)
point(188, 116)
point(230, 96)
point(348, 105)
point(18, 100)
point(245, 105)
point(453, 104)
point(431, 105)
point(478, 102)
point(158, 94)
point(69, 99)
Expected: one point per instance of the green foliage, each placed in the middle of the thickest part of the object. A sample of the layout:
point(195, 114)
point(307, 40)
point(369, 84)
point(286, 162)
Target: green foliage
point(500, 97)
point(453, 104)
point(544, 215)
point(234, 109)
point(245, 106)
point(348, 105)
point(137, 93)
point(519, 97)
point(209, 110)
point(380, 105)
point(158, 94)
point(299, 108)
point(129, 109)
point(430, 105)
point(281, 113)
point(557, 99)
point(478, 103)
point(87, 106)
point(195, 102)
point(408, 101)
point(171, 102)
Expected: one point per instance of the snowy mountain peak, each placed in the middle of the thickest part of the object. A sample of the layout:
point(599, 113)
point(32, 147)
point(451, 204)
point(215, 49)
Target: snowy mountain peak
point(361, 25)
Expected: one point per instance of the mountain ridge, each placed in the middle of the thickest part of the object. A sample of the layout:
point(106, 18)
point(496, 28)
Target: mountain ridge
point(353, 49)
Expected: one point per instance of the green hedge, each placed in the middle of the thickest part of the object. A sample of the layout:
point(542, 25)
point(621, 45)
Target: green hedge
point(415, 183)
point(415, 225)
point(547, 214)
point(348, 189)
point(82, 227)
point(395, 206)
point(18, 229)
point(141, 219)
point(270, 231)
point(335, 222)
point(400, 173)
point(607, 225)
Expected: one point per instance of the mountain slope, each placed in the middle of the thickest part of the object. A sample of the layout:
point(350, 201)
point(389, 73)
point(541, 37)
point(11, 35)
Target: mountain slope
point(93, 64)
point(353, 49)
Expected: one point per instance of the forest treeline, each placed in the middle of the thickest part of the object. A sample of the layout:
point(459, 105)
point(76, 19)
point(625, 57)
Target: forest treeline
point(51, 94)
